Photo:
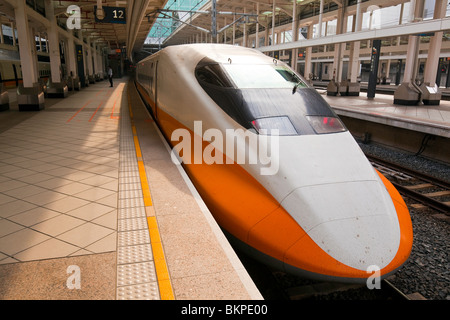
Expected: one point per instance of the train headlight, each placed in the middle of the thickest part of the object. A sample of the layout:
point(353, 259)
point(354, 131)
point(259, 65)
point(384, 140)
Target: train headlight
point(283, 126)
point(322, 124)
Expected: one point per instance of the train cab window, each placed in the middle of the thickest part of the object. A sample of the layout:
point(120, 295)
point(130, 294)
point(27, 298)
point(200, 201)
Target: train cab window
point(263, 76)
point(264, 98)
point(213, 74)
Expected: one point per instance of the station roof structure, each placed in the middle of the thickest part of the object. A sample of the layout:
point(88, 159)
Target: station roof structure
point(163, 22)
point(169, 22)
point(131, 34)
point(245, 12)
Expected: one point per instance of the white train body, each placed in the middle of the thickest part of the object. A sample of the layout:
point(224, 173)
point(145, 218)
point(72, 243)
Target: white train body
point(319, 210)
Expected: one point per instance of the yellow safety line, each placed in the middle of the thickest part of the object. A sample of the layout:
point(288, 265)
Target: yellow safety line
point(136, 143)
point(144, 184)
point(164, 284)
point(162, 273)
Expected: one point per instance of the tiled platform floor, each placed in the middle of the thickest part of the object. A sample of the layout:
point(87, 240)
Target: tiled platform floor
point(59, 173)
point(71, 194)
point(59, 176)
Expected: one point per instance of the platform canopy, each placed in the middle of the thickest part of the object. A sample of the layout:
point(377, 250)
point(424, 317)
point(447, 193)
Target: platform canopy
point(128, 30)
point(240, 13)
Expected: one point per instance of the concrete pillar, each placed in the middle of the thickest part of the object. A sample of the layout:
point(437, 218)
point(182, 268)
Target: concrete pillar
point(308, 54)
point(430, 91)
point(334, 85)
point(100, 62)
point(34, 64)
point(73, 80)
point(435, 46)
point(353, 64)
point(71, 62)
point(320, 18)
point(95, 60)
point(273, 23)
point(409, 93)
point(351, 86)
point(234, 30)
point(225, 32)
point(89, 58)
point(266, 35)
point(26, 49)
point(257, 26)
point(337, 61)
point(56, 87)
point(294, 56)
point(411, 57)
point(30, 96)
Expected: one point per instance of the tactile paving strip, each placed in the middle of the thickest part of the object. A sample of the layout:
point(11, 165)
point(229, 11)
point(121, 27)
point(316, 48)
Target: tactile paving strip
point(134, 254)
point(145, 291)
point(136, 273)
point(129, 238)
point(131, 274)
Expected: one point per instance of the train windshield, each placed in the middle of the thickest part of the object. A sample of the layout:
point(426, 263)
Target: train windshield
point(262, 76)
point(263, 97)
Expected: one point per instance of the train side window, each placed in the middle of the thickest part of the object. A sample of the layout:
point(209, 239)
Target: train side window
point(213, 74)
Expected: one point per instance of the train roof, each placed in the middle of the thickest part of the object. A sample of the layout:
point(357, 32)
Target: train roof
point(221, 53)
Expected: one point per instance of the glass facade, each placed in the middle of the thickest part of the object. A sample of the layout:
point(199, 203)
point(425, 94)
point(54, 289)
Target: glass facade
point(165, 25)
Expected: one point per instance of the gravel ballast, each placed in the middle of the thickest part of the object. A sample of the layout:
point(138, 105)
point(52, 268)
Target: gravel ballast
point(427, 270)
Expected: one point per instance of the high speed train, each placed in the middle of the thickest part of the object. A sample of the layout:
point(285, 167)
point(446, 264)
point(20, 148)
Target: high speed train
point(319, 209)
point(11, 72)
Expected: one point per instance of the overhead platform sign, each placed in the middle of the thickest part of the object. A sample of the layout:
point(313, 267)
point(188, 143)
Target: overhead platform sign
point(110, 15)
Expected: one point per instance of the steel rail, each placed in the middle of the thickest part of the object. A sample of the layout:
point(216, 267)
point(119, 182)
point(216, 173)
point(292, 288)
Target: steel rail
point(435, 204)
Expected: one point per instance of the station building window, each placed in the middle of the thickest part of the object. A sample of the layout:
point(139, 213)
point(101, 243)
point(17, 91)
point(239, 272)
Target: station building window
point(9, 34)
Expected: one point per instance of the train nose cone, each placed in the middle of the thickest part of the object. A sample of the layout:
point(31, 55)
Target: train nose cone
point(353, 222)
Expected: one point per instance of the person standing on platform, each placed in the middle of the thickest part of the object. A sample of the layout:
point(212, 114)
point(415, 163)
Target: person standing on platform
point(110, 75)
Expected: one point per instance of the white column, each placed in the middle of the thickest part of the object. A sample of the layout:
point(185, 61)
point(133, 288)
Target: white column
point(435, 46)
point(266, 35)
point(234, 30)
point(89, 57)
point(294, 56)
point(71, 57)
point(273, 23)
point(53, 43)
point(337, 61)
point(413, 43)
point(308, 54)
point(257, 26)
point(353, 64)
point(225, 32)
point(26, 49)
point(320, 17)
point(95, 55)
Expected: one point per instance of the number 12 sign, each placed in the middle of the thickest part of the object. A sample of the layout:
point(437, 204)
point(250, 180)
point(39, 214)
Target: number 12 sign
point(111, 15)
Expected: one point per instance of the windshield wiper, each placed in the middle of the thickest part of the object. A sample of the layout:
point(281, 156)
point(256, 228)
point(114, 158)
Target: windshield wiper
point(298, 84)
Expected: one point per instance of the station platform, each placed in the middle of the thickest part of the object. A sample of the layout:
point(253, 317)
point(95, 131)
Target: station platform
point(92, 207)
point(418, 129)
point(430, 119)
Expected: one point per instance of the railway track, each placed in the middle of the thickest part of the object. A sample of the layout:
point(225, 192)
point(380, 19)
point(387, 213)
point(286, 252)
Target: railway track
point(339, 291)
point(428, 191)
point(278, 285)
